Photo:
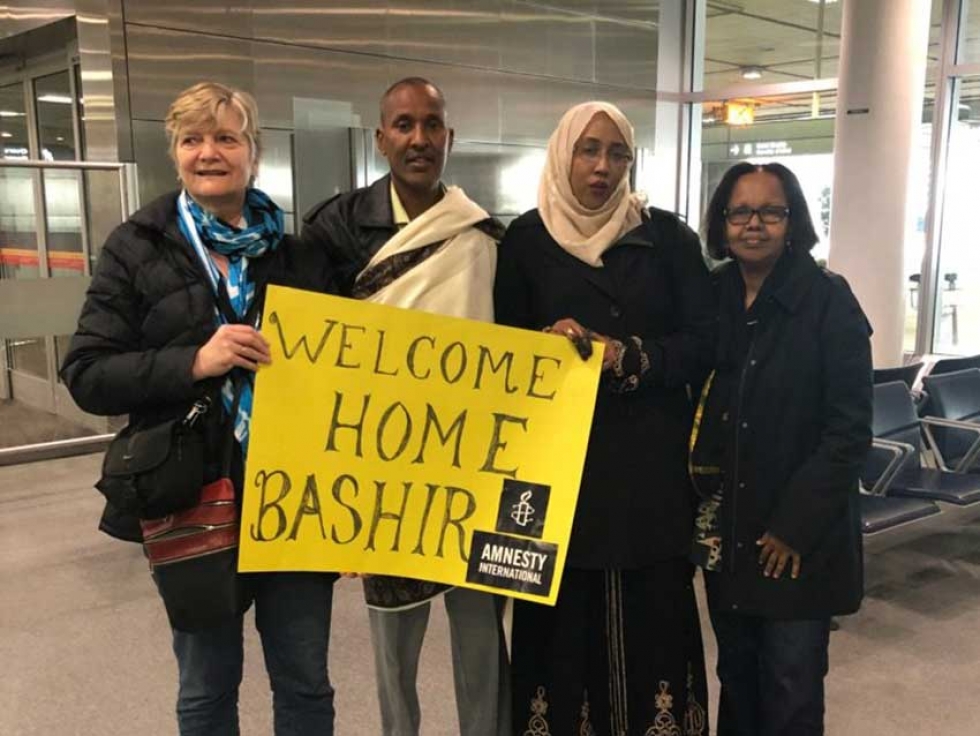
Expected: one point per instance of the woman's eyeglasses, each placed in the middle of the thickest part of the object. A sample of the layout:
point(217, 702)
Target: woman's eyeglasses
point(770, 214)
point(591, 152)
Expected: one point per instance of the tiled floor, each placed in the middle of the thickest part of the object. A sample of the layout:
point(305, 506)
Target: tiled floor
point(84, 646)
point(22, 425)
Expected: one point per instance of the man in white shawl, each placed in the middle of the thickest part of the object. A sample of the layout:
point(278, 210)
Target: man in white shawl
point(408, 241)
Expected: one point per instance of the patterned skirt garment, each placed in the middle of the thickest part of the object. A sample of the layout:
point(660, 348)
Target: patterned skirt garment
point(619, 655)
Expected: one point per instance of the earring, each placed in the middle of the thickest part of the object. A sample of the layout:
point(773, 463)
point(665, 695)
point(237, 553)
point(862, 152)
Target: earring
point(789, 245)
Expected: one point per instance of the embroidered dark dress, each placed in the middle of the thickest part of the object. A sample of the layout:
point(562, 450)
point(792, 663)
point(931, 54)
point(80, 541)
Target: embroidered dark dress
point(620, 654)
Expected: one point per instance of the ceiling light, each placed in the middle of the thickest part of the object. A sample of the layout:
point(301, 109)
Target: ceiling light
point(57, 99)
point(5, 134)
point(10, 114)
point(751, 72)
point(826, 2)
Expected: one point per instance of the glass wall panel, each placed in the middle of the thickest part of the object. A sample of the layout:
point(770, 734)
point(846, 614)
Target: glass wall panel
point(18, 239)
point(19, 256)
point(915, 239)
point(794, 130)
point(770, 41)
point(968, 50)
point(773, 41)
point(56, 107)
point(919, 180)
point(958, 304)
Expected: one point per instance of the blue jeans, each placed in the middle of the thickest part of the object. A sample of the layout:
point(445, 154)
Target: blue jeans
point(771, 674)
point(292, 614)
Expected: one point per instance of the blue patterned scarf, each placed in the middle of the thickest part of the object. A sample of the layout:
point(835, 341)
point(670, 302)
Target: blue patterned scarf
point(264, 229)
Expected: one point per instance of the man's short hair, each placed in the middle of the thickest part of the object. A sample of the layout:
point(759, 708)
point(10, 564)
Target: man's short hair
point(409, 82)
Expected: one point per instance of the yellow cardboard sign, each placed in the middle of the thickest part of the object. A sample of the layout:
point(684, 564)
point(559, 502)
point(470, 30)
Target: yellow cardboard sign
point(397, 442)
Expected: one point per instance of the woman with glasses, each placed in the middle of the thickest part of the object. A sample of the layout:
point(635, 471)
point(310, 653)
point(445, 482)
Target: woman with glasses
point(620, 653)
point(782, 431)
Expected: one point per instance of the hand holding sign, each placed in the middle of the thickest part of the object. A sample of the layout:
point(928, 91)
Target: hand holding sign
point(582, 338)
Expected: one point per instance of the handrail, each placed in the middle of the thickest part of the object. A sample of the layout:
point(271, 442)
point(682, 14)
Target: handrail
point(53, 450)
point(128, 182)
point(26, 163)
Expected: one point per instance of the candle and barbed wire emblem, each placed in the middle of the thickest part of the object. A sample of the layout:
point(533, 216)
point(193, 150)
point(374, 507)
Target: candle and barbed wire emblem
point(523, 508)
point(523, 512)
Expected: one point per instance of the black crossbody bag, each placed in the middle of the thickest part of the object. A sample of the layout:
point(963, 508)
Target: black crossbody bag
point(155, 468)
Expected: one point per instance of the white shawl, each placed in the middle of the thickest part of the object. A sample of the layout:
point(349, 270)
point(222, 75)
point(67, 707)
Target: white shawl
point(456, 280)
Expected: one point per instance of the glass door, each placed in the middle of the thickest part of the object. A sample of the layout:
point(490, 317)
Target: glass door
point(43, 237)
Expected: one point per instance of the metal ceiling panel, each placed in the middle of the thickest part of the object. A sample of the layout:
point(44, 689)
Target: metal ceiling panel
point(352, 82)
point(217, 17)
point(163, 62)
point(539, 40)
point(355, 25)
point(626, 55)
point(452, 31)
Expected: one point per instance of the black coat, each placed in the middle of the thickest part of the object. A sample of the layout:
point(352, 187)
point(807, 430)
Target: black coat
point(790, 413)
point(350, 228)
point(148, 310)
point(635, 503)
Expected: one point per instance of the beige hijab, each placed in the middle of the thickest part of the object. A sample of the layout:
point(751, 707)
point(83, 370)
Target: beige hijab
point(585, 233)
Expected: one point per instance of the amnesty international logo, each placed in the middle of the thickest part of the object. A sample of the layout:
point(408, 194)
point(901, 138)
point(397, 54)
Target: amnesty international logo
point(523, 512)
point(523, 508)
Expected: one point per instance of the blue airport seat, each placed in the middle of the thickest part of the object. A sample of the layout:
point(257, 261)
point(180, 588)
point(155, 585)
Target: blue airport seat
point(951, 365)
point(909, 375)
point(880, 513)
point(905, 373)
point(897, 425)
point(888, 457)
point(953, 425)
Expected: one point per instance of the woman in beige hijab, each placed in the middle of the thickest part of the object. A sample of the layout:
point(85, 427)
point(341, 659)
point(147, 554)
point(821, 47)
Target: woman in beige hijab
point(621, 652)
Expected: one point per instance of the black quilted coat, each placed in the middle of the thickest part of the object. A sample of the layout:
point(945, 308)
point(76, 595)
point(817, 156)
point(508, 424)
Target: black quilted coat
point(148, 310)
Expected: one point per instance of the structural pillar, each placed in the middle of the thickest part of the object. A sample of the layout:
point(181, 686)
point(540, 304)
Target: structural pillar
point(881, 83)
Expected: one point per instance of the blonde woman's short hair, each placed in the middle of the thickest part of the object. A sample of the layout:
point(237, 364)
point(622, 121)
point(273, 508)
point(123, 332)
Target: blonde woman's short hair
point(201, 105)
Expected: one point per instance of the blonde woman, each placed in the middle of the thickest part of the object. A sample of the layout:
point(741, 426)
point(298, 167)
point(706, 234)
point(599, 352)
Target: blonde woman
point(156, 333)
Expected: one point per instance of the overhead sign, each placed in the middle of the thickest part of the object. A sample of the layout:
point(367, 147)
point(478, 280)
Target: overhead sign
point(761, 148)
point(398, 442)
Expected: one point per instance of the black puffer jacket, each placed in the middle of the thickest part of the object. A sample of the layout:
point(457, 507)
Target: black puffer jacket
point(148, 310)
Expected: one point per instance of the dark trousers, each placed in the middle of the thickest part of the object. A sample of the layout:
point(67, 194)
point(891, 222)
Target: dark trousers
point(292, 614)
point(771, 674)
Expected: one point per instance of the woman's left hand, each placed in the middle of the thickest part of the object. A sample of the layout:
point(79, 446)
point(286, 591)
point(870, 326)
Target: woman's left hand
point(775, 555)
point(610, 349)
point(576, 333)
